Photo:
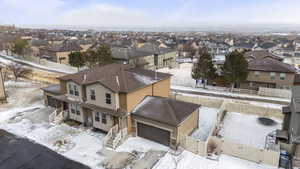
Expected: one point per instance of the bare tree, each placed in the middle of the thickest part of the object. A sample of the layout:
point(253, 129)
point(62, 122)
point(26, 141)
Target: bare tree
point(18, 70)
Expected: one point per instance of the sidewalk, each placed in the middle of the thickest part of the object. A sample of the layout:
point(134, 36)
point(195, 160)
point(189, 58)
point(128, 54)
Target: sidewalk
point(56, 68)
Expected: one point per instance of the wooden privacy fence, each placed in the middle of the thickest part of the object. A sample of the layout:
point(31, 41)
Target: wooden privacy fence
point(245, 152)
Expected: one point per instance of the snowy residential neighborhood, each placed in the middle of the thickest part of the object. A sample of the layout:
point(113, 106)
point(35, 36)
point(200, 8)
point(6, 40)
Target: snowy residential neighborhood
point(119, 103)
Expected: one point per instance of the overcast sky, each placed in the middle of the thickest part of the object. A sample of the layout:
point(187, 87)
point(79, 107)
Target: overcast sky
point(148, 12)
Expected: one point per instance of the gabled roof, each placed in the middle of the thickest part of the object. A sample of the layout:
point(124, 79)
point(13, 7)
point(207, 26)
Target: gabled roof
point(261, 54)
point(270, 65)
point(65, 47)
point(117, 77)
point(164, 110)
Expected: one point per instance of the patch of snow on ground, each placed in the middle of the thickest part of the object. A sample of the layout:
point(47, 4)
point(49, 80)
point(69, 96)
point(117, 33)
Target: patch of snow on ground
point(207, 119)
point(140, 145)
point(188, 160)
point(86, 148)
point(245, 129)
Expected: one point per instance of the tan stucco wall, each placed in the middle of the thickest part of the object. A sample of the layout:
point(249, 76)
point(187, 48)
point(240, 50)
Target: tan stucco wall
point(264, 77)
point(134, 98)
point(63, 86)
point(63, 55)
point(187, 126)
point(162, 88)
point(100, 96)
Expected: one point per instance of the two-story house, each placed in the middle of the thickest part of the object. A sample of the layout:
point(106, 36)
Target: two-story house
point(60, 53)
point(270, 73)
point(102, 97)
point(126, 97)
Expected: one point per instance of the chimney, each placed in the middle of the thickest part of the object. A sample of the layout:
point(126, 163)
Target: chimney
point(117, 79)
point(84, 77)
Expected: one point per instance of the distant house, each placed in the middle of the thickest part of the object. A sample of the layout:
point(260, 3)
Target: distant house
point(2, 88)
point(261, 54)
point(146, 56)
point(270, 73)
point(165, 120)
point(60, 53)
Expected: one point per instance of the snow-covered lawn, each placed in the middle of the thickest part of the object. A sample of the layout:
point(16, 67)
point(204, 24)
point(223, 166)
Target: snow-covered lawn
point(140, 145)
point(188, 160)
point(246, 129)
point(182, 75)
point(26, 116)
point(207, 119)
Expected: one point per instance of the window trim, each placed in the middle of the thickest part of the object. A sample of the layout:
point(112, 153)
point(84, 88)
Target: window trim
point(76, 91)
point(93, 94)
point(282, 77)
point(273, 76)
point(97, 116)
point(71, 91)
point(107, 98)
point(103, 118)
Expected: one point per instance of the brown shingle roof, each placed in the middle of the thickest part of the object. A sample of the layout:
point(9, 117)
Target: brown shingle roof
point(261, 54)
point(117, 77)
point(270, 65)
point(164, 110)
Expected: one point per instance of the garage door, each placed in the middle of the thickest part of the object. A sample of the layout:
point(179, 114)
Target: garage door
point(153, 133)
point(53, 102)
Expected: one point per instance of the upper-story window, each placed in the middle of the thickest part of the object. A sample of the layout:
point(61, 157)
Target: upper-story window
point(272, 75)
point(76, 90)
point(93, 95)
point(282, 76)
point(256, 73)
point(108, 98)
point(73, 90)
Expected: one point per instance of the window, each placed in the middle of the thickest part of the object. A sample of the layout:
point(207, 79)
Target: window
point(77, 109)
point(97, 116)
point(73, 111)
point(108, 98)
point(272, 75)
point(282, 76)
point(71, 91)
point(103, 118)
point(256, 73)
point(93, 95)
point(76, 90)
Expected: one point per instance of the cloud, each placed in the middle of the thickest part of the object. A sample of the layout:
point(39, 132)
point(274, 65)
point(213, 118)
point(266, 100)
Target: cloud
point(29, 11)
point(105, 15)
point(182, 13)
